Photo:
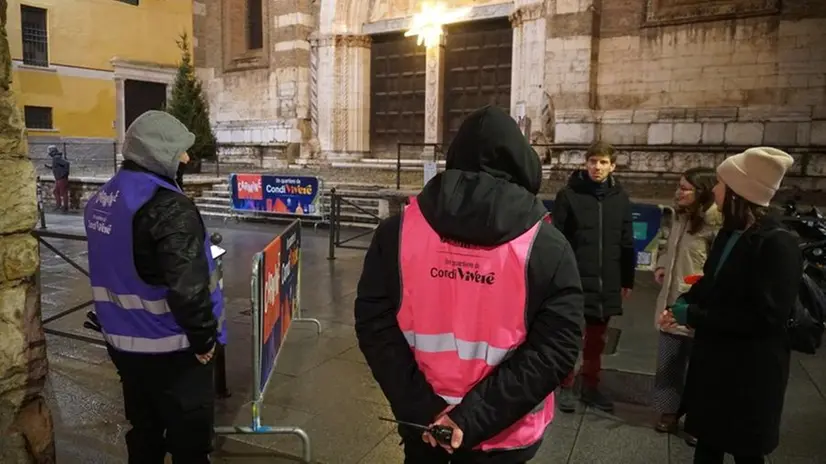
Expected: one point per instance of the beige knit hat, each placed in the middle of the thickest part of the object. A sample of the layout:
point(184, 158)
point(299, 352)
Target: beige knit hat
point(756, 173)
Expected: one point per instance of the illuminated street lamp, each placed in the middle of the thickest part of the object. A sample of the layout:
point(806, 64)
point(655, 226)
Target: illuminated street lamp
point(427, 24)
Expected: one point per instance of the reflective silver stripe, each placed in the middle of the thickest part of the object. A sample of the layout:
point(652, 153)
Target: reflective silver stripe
point(148, 345)
point(439, 343)
point(452, 400)
point(157, 307)
point(445, 342)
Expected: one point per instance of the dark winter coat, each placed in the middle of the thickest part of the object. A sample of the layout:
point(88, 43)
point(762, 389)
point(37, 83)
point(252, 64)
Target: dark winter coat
point(60, 166)
point(739, 365)
point(596, 220)
point(168, 248)
point(487, 196)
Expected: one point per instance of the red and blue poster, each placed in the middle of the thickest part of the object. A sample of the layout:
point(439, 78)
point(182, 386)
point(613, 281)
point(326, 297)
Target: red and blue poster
point(279, 296)
point(289, 195)
point(271, 333)
point(290, 255)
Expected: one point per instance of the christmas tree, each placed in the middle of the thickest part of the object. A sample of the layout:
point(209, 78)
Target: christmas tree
point(190, 106)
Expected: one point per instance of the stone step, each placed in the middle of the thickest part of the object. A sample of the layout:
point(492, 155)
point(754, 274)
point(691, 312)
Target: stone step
point(217, 193)
point(210, 200)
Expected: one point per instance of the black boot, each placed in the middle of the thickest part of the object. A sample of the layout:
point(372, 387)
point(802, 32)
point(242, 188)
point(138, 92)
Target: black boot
point(591, 396)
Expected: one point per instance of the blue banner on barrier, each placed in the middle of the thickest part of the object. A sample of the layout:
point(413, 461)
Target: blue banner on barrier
point(292, 195)
point(646, 226)
point(279, 297)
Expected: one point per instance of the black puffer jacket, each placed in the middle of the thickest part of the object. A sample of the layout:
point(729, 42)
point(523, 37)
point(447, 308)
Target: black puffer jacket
point(487, 196)
point(168, 248)
point(596, 220)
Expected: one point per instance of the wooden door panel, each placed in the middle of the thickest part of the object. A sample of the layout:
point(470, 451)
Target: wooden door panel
point(397, 92)
point(478, 58)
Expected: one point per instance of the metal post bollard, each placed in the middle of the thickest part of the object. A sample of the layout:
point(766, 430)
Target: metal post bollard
point(332, 251)
point(40, 204)
point(221, 389)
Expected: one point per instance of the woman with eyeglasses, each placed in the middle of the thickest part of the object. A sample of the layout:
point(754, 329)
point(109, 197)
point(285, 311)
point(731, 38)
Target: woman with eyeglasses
point(739, 365)
point(696, 223)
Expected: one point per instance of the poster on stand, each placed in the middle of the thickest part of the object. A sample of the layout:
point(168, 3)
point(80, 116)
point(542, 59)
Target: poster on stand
point(286, 195)
point(270, 314)
point(279, 296)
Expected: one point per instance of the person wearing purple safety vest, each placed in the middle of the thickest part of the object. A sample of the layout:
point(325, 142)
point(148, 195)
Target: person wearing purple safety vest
point(157, 295)
point(469, 310)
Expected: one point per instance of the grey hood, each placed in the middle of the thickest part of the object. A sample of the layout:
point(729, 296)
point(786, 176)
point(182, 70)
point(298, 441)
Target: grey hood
point(155, 141)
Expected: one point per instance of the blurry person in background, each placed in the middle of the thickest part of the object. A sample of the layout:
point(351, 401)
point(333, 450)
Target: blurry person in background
point(739, 365)
point(689, 241)
point(594, 213)
point(60, 168)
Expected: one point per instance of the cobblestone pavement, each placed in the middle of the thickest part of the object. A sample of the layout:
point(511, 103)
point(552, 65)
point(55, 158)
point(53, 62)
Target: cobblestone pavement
point(323, 385)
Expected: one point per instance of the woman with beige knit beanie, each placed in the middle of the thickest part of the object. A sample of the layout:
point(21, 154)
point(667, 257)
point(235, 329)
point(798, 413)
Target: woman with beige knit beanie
point(739, 364)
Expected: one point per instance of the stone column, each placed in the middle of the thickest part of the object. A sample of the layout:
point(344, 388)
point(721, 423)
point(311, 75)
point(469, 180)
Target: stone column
point(528, 65)
point(343, 96)
point(434, 97)
point(120, 109)
point(26, 429)
point(572, 57)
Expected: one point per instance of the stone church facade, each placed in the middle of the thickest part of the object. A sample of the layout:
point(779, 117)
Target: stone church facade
point(336, 79)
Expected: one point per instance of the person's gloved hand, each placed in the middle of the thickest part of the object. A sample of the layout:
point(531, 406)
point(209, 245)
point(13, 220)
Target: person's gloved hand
point(680, 311)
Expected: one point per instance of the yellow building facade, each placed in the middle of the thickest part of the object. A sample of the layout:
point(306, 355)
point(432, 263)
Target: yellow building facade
point(77, 63)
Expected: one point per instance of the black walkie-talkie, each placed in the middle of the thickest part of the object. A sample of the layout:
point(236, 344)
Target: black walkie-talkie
point(442, 434)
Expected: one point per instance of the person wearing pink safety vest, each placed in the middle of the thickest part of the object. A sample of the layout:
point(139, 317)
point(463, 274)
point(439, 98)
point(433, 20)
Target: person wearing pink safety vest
point(469, 309)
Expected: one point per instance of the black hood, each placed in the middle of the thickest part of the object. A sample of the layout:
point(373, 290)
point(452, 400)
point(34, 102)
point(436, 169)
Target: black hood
point(487, 194)
point(581, 182)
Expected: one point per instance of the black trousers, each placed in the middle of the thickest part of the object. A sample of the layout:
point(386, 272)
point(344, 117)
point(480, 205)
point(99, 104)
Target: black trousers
point(417, 451)
point(170, 402)
point(707, 455)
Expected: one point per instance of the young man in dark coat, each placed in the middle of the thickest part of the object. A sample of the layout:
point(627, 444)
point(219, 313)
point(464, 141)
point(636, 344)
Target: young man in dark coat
point(594, 213)
point(485, 199)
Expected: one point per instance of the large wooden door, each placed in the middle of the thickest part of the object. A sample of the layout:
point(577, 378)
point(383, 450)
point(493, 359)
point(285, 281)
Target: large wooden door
point(142, 96)
point(397, 88)
point(478, 58)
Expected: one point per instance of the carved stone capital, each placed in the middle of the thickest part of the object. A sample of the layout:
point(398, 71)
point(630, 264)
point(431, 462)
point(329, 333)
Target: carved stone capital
point(527, 13)
point(342, 41)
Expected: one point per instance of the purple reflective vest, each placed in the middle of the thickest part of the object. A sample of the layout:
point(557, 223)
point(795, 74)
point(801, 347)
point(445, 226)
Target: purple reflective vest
point(134, 315)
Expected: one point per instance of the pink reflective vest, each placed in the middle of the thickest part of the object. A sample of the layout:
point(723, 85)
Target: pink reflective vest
point(463, 312)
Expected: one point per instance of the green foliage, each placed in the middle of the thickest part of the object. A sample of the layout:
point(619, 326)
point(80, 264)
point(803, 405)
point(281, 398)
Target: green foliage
point(190, 106)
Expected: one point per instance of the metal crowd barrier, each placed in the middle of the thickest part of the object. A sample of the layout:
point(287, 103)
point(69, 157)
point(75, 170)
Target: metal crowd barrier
point(221, 389)
point(335, 240)
point(273, 311)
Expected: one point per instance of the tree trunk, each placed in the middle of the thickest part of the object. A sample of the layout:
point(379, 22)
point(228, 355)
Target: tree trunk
point(26, 429)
